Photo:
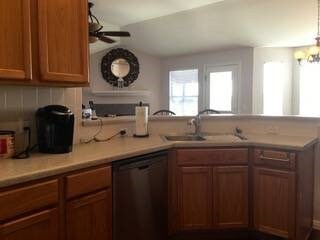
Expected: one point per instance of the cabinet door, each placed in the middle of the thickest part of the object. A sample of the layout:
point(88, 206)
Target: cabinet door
point(15, 40)
point(231, 197)
point(63, 40)
point(195, 198)
point(90, 217)
point(274, 202)
point(42, 225)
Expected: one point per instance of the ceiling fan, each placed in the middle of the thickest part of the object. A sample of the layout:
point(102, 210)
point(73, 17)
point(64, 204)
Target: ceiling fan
point(96, 33)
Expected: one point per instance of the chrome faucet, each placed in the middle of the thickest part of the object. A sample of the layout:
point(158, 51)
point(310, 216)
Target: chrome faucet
point(196, 121)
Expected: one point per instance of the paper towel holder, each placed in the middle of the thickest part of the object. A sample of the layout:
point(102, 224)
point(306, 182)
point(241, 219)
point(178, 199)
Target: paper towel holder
point(142, 135)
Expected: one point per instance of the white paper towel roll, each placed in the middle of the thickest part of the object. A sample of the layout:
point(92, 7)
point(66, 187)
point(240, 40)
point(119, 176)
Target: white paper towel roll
point(141, 121)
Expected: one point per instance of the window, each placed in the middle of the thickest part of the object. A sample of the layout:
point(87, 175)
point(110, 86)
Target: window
point(184, 91)
point(273, 77)
point(221, 89)
point(310, 89)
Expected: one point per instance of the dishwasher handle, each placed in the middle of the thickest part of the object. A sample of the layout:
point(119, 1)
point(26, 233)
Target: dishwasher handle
point(141, 163)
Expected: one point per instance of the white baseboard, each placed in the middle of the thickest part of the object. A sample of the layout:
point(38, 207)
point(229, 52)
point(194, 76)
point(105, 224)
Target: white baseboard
point(316, 224)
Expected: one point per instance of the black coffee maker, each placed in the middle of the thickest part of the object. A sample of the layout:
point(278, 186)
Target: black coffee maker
point(55, 126)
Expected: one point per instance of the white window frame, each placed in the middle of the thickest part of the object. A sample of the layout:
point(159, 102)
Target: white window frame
point(235, 69)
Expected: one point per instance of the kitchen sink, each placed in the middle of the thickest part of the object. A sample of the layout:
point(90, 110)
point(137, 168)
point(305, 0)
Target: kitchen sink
point(224, 138)
point(185, 138)
point(206, 137)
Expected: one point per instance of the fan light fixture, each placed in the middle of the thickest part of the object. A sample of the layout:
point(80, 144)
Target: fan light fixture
point(312, 55)
point(95, 30)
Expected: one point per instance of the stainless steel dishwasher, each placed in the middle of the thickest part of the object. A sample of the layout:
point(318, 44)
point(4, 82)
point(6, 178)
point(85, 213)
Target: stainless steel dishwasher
point(140, 198)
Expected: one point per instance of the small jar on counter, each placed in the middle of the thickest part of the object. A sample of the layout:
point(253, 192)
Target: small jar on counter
point(7, 146)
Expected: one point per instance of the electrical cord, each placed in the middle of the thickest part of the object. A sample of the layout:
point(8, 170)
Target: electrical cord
point(95, 139)
point(121, 133)
point(97, 133)
point(26, 153)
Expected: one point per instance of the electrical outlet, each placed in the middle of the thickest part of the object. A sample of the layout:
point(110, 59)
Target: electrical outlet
point(124, 130)
point(27, 123)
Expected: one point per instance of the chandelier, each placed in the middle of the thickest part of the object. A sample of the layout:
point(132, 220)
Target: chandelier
point(312, 55)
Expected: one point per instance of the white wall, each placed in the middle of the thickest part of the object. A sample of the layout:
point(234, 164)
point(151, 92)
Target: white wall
point(149, 79)
point(261, 56)
point(241, 56)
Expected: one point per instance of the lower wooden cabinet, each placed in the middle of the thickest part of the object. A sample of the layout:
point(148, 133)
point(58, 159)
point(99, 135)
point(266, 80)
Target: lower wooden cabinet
point(274, 202)
point(218, 189)
point(230, 186)
point(270, 193)
point(90, 217)
point(43, 225)
point(195, 198)
point(73, 207)
point(212, 197)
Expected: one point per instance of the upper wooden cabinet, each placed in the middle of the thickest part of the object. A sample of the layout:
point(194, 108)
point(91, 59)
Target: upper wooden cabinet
point(63, 40)
point(15, 40)
point(44, 42)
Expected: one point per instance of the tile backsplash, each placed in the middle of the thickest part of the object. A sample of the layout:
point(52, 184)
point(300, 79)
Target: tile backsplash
point(19, 104)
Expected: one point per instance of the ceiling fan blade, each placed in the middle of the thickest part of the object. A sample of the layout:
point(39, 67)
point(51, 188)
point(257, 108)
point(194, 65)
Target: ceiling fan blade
point(115, 34)
point(106, 39)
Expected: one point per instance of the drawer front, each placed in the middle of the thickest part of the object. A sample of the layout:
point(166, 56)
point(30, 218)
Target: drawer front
point(89, 181)
point(275, 158)
point(26, 199)
point(191, 157)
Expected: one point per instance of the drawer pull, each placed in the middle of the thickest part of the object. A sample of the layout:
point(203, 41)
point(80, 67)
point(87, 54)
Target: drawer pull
point(274, 159)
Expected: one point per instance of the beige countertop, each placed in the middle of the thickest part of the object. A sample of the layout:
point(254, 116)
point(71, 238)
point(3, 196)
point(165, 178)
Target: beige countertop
point(14, 171)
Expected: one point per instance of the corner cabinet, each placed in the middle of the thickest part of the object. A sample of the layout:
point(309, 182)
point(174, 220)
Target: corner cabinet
point(283, 192)
point(15, 40)
point(44, 43)
point(263, 190)
point(274, 199)
point(63, 40)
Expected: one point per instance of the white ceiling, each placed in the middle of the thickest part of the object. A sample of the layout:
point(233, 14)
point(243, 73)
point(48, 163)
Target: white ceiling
point(124, 12)
point(230, 23)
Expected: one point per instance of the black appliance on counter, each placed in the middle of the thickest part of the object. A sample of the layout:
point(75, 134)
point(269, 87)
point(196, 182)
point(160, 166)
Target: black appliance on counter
point(55, 125)
point(140, 198)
